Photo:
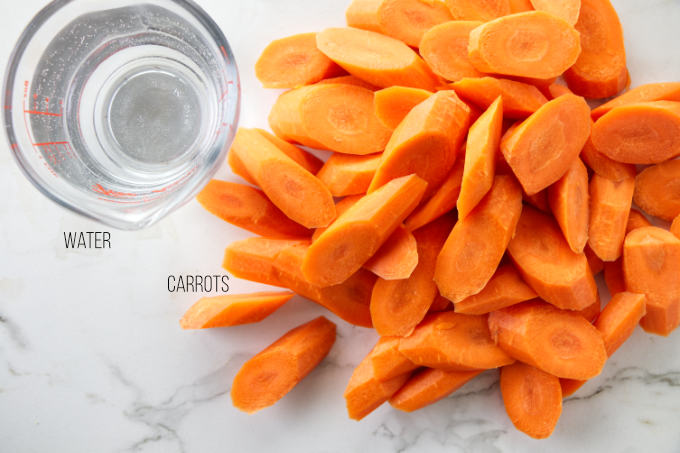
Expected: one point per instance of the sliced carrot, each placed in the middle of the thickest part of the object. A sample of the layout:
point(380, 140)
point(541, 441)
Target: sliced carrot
point(657, 190)
point(444, 49)
point(543, 147)
point(440, 303)
point(378, 59)
point(675, 227)
point(619, 318)
point(548, 265)
point(393, 104)
point(665, 91)
point(483, 140)
point(595, 264)
point(294, 61)
point(476, 10)
point(396, 258)
point(455, 342)
point(426, 142)
point(532, 399)
point(531, 44)
point(250, 209)
point(505, 288)
point(520, 6)
point(294, 190)
point(539, 200)
point(613, 276)
point(233, 309)
point(519, 99)
point(405, 20)
point(387, 361)
point(428, 386)
point(477, 243)
point(273, 372)
point(397, 306)
point(339, 117)
point(345, 174)
point(642, 133)
point(591, 312)
point(604, 166)
point(610, 203)
point(559, 342)
point(360, 231)
point(568, 199)
point(556, 90)
point(340, 207)
point(570, 386)
point(651, 265)
point(348, 80)
point(636, 219)
point(600, 70)
point(568, 10)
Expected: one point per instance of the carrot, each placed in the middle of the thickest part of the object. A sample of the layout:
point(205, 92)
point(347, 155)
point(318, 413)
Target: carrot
point(453, 342)
point(657, 190)
point(387, 361)
point(539, 200)
point(642, 133)
point(591, 312)
point(559, 342)
point(345, 174)
point(519, 99)
point(339, 117)
point(609, 209)
point(545, 261)
point(556, 90)
point(233, 309)
point(505, 288)
point(476, 10)
point(426, 142)
point(532, 44)
point(594, 262)
point(393, 104)
point(568, 10)
point(444, 49)
point(600, 70)
point(532, 399)
point(360, 231)
point(613, 276)
point(619, 318)
point(340, 207)
point(396, 258)
point(636, 219)
point(378, 59)
point(474, 248)
point(570, 386)
point(443, 200)
point(348, 80)
point(273, 372)
point(405, 20)
point(293, 61)
point(428, 386)
point(543, 147)
point(675, 227)
point(568, 199)
point(294, 190)
point(397, 306)
point(651, 265)
point(440, 303)
point(665, 91)
point(604, 166)
point(483, 139)
point(248, 208)
point(520, 6)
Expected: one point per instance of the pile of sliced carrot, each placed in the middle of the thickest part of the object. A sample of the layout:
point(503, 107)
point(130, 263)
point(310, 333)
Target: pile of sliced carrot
point(468, 201)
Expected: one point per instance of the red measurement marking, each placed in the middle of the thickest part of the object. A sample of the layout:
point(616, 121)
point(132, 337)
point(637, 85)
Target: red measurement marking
point(15, 146)
point(36, 112)
point(112, 193)
point(51, 143)
point(224, 52)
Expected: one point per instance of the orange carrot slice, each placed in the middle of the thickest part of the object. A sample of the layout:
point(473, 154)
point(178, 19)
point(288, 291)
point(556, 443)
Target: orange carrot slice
point(636, 219)
point(348, 80)
point(393, 104)
point(609, 209)
point(387, 361)
point(665, 91)
point(340, 207)
point(604, 166)
point(520, 6)
point(557, 89)
point(444, 48)
point(345, 174)
point(657, 190)
point(476, 10)
point(568, 199)
point(428, 386)
point(613, 276)
point(568, 10)
point(397, 257)
point(594, 262)
point(539, 200)
point(675, 227)
point(591, 312)
point(619, 318)
point(519, 99)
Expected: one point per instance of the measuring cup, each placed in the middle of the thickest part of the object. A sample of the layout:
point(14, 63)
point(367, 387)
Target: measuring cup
point(121, 110)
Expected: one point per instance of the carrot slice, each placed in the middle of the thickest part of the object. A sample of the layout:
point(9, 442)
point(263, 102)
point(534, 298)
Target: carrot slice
point(273, 372)
point(340, 207)
point(387, 361)
point(591, 312)
point(345, 174)
point(568, 199)
point(248, 208)
point(505, 288)
point(393, 104)
point(476, 10)
point(378, 59)
point(604, 166)
point(293, 61)
point(405, 20)
point(477, 243)
point(543, 147)
point(428, 386)
point(595, 264)
point(531, 44)
point(568, 10)
point(440, 303)
point(548, 265)
point(642, 133)
point(539, 200)
point(348, 80)
point(665, 91)
point(619, 318)
point(609, 209)
point(483, 140)
point(613, 276)
point(675, 227)
point(519, 99)
point(444, 49)
point(520, 6)
point(454, 342)
point(557, 89)
point(559, 342)
point(657, 190)
point(294, 190)
point(396, 258)
point(233, 309)
point(600, 70)
point(397, 306)
point(532, 399)
point(570, 386)
point(339, 117)
point(360, 231)
point(636, 219)
point(426, 142)
point(651, 265)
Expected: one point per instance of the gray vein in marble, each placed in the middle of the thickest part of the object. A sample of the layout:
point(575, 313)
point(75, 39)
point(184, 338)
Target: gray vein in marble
point(13, 331)
point(669, 378)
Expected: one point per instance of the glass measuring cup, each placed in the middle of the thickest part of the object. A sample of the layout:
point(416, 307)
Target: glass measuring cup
point(121, 110)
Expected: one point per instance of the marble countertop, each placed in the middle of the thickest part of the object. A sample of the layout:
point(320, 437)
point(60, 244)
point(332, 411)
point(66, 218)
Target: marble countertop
point(92, 358)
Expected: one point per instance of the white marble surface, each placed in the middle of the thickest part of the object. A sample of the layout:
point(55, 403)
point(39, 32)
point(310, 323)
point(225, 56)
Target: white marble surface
point(92, 358)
